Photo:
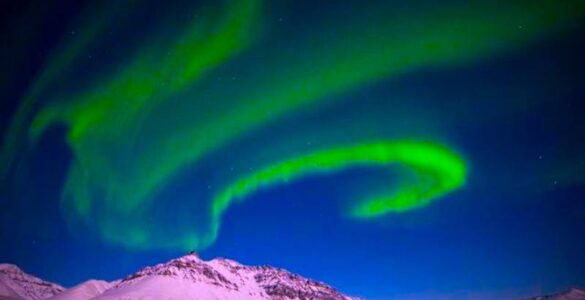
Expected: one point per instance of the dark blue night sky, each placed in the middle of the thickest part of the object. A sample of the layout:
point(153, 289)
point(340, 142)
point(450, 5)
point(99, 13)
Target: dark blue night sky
point(97, 97)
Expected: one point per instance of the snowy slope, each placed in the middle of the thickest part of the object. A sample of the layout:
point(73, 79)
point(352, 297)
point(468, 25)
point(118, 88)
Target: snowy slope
point(186, 277)
point(189, 277)
point(15, 284)
point(85, 290)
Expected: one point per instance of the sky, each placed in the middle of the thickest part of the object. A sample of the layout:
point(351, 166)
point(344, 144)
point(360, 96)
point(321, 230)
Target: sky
point(395, 150)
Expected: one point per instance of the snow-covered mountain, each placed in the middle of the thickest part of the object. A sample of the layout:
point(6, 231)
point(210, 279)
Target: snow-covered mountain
point(187, 277)
point(86, 290)
point(572, 294)
point(15, 284)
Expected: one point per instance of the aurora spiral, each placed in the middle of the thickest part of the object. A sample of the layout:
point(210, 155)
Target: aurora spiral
point(161, 107)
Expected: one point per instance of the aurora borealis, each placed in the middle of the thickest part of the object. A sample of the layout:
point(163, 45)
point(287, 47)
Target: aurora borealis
point(440, 172)
point(164, 125)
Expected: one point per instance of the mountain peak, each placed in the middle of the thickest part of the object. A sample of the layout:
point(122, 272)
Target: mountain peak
point(16, 284)
point(220, 278)
point(190, 277)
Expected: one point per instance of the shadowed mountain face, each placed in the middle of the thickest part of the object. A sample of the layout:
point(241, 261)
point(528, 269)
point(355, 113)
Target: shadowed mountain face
point(187, 277)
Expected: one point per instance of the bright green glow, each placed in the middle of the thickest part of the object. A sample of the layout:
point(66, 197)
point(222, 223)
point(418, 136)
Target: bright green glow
point(149, 78)
point(313, 72)
point(440, 170)
point(132, 130)
point(114, 110)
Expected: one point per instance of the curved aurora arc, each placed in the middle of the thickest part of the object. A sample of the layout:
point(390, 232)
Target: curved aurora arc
point(439, 171)
point(131, 130)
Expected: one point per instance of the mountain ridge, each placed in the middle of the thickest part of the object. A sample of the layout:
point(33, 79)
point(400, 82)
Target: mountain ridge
point(190, 277)
point(187, 277)
point(16, 284)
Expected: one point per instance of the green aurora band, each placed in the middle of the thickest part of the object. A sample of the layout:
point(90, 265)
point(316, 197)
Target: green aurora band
point(136, 127)
point(439, 171)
